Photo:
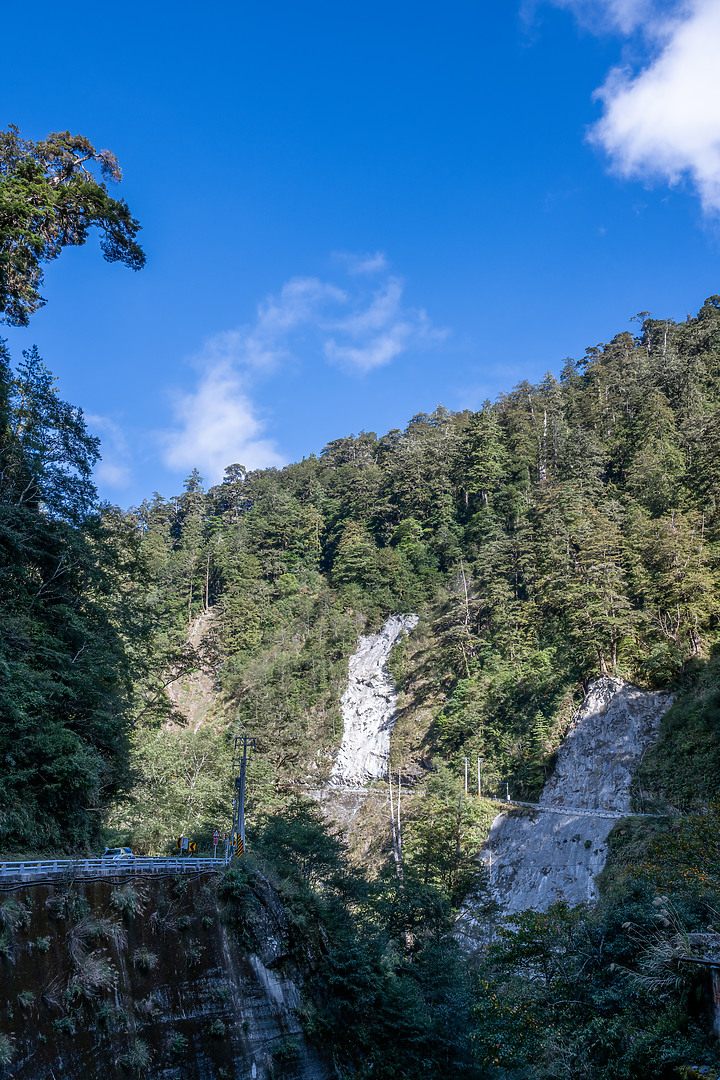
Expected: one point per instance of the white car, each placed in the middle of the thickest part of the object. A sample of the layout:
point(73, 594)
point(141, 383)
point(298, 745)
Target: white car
point(117, 853)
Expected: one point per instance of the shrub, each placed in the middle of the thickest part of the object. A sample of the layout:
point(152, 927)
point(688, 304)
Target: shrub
point(193, 954)
point(148, 1007)
point(178, 1044)
point(14, 916)
point(7, 1050)
point(128, 899)
point(64, 1025)
point(144, 959)
point(286, 1050)
point(138, 1057)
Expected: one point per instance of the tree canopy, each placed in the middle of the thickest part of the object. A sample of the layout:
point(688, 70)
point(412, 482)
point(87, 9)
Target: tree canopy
point(50, 197)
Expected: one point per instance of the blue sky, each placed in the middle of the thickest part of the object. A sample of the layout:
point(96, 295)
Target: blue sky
point(353, 212)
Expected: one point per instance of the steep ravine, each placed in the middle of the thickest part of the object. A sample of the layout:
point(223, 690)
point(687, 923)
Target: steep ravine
point(537, 857)
point(194, 695)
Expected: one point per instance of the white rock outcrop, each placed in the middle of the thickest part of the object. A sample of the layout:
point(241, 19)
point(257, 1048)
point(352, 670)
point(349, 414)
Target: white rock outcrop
point(540, 857)
point(368, 707)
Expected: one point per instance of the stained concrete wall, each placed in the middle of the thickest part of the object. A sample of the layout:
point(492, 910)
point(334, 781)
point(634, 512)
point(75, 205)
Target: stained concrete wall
point(184, 993)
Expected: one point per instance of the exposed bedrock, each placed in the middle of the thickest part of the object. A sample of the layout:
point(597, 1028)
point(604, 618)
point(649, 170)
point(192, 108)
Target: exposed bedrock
point(176, 984)
point(536, 857)
point(368, 707)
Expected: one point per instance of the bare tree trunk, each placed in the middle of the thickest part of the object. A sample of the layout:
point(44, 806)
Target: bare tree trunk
point(715, 976)
point(396, 853)
point(457, 845)
point(467, 618)
point(399, 830)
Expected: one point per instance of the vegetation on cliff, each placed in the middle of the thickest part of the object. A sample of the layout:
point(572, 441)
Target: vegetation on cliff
point(568, 529)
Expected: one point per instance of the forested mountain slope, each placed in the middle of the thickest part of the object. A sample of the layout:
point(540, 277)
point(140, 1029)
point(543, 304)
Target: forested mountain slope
point(567, 530)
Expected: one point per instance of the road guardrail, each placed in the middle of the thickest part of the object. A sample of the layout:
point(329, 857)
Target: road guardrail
point(135, 864)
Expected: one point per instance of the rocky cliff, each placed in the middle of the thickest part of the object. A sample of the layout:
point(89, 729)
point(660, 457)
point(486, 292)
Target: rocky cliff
point(535, 857)
point(368, 707)
point(150, 978)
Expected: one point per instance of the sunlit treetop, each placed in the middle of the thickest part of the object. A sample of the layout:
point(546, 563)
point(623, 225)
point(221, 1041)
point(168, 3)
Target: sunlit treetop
point(52, 193)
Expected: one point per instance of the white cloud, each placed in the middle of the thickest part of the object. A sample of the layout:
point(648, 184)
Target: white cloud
point(383, 309)
point(362, 264)
point(379, 330)
point(358, 328)
point(218, 426)
point(622, 15)
point(663, 120)
point(113, 475)
point(113, 470)
point(377, 352)
point(301, 301)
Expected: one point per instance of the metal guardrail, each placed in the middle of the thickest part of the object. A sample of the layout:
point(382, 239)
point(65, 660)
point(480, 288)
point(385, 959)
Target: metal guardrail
point(137, 864)
point(577, 811)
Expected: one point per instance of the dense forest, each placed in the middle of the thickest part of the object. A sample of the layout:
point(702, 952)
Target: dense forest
point(567, 530)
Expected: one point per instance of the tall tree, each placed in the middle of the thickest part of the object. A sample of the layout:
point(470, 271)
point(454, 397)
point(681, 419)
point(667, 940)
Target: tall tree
point(50, 198)
point(65, 673)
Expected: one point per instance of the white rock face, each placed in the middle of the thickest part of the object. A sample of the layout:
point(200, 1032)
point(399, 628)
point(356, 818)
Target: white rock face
point(538, 859)
point(368, 707)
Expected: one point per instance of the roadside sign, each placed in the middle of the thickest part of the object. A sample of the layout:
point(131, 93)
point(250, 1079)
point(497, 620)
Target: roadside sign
point(184, 843)
point(192, 846)
point(216, 837)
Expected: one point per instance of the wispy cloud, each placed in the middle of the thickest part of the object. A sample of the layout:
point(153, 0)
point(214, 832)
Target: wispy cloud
point(218, 426)
point(113, 470)
point(359, 326)
point(366, 263)
point(622, 15)
point(661, 118)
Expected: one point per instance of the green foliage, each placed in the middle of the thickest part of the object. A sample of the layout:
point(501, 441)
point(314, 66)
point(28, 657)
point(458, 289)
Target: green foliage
point(442, 833)
point(129, 899)
point(178, 1044)
point(385, 990)
point(50, 199)
point(7, 1050)
point(65, 622)
point(601, 994)
point(286, 1050)
point(144, 959)
point(683, 768)
point(182, 788)
point(137, 1059)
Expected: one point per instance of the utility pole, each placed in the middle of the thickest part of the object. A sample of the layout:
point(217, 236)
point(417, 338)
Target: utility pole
point(394, 829)
point(237, 835)
point(399, 833)
point(507, 787)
